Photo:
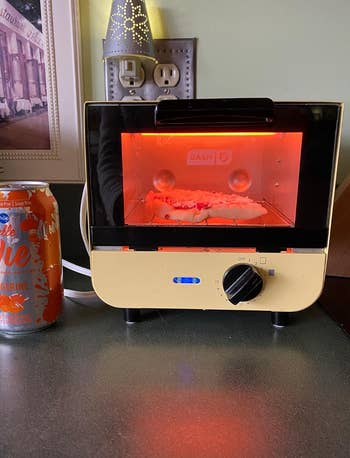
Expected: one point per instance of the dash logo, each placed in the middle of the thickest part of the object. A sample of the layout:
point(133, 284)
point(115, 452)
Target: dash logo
point(4, 218)
point(209, 157)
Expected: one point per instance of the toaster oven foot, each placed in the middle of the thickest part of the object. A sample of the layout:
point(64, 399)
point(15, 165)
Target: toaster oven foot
point(279, 319)
point(132, 315)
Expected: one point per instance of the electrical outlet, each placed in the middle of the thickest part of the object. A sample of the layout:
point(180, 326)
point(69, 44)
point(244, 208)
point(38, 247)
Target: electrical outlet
point(131, 98)
point(131, 73)
point(166, 75)
point(142, 78)
point(166, 97)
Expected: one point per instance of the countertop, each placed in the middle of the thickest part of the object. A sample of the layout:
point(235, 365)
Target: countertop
point(180, 384)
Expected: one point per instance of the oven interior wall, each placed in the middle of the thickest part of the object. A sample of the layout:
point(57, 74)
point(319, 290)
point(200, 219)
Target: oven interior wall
point(263, 166)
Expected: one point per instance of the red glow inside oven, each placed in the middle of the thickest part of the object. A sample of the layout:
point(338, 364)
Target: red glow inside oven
point(211, 178)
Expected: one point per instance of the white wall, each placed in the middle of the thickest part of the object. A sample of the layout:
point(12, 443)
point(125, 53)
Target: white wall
point(283, 49)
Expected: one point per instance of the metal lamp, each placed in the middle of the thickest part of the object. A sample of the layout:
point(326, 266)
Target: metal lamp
point(129, 32)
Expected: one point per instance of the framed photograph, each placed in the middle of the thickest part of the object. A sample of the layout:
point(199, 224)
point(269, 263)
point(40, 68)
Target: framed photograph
point(40, 91)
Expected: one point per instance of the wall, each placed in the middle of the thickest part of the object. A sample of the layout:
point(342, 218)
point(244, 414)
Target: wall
point(289, 49)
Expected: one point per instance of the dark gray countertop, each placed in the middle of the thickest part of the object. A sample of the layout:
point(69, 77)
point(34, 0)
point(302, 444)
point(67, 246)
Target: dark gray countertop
point(189, 384)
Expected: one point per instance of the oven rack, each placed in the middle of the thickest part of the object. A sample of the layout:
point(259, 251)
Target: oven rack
point(137, 216)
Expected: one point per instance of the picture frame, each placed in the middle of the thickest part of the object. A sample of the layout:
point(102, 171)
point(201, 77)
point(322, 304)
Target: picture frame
point(41, 126)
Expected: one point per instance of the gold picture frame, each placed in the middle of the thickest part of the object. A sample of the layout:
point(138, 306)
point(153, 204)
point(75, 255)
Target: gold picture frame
point(40, 73)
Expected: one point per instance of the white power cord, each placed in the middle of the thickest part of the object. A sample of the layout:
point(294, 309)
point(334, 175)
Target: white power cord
point(82, 295)
point(72, 294)
point(76, 268)
point(83, 217)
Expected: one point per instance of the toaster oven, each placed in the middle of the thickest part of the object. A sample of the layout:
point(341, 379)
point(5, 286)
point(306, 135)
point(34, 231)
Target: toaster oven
point(210, 203)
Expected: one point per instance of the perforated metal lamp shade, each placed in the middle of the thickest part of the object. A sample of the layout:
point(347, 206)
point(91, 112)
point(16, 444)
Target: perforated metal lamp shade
point(129, 32)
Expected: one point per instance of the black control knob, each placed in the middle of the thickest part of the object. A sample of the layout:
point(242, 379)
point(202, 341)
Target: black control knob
point(242, 282)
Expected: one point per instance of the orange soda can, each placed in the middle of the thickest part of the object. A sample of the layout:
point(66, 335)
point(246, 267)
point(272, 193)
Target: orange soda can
point(31, 291)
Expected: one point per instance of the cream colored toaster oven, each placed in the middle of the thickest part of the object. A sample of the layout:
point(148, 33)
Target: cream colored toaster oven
point(211, 204)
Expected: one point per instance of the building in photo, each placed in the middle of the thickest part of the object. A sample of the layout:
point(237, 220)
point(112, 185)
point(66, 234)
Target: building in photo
point(22, 65)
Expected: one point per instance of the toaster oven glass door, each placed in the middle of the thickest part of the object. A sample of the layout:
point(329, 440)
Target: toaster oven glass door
point(208, 174)
point(211, 178)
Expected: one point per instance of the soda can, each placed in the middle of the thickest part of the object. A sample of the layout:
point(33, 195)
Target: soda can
point(31, 291)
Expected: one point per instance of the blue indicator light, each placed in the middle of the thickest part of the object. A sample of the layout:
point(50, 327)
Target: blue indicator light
point(187, 280)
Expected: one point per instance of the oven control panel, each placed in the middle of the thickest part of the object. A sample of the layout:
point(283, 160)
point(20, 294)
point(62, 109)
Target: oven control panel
point(208, 280)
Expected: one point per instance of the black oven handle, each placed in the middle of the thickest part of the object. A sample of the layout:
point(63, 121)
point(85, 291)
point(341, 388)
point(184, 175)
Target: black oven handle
point(210, 112)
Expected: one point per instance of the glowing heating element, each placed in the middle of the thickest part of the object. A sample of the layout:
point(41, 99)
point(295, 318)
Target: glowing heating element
point(210, 134)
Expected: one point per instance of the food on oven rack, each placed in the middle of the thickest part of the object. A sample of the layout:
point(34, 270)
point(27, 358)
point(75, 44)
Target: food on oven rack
point(196, 206)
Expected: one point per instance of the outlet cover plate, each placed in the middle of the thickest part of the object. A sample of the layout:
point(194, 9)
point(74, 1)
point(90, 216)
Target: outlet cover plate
point(179, 51)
